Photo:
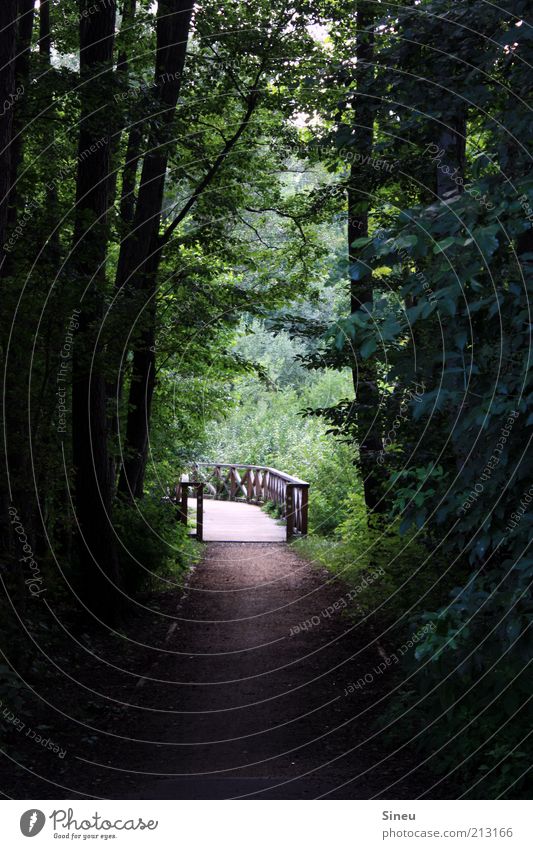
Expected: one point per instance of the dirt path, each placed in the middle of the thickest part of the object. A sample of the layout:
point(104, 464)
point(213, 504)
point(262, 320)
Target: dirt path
point(254, 709)
point(218, 692)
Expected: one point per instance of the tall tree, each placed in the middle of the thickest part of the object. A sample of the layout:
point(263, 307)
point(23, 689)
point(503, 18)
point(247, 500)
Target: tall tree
point(129, 8)
point(8, 30)
point(26, 12)
point(140, 249)
point(45, 31)
point(93, 487)
point(361, 288)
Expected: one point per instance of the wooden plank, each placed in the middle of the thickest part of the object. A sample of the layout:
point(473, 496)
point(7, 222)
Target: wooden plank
point(236, 521)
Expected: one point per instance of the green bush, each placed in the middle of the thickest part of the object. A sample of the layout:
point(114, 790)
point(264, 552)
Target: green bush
point(153, 547)
point(412, 575)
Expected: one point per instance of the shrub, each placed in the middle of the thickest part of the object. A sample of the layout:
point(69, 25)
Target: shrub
point(414, 576)
point(152, 544)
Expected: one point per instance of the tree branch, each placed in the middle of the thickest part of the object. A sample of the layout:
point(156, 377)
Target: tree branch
point(253, 100)
point(282, 214)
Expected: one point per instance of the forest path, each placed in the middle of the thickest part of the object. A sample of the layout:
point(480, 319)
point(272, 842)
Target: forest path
point(256, 704)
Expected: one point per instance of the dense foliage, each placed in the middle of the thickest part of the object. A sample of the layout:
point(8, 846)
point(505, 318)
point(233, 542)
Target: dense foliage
point(297, 235)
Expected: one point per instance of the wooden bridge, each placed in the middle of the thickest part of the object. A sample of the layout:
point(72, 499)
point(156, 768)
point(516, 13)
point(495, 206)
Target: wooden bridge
point(229, 497)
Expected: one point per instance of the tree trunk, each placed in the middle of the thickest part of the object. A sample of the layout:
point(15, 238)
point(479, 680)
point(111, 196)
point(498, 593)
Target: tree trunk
point(26, 11)
point(114, 385)
point(8, 25)
point(129, 8)
point(451, 160)
point(140, 408)
point(45, 31)
point(17, 451)
point(52, 250)
point(140, 251)
point(361, 292)
point(173, 24)
point(93, 488)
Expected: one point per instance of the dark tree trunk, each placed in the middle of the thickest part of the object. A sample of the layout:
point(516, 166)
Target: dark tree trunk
point(8, 19)
point(52, 250)
point(173, 24)
point(140, 403)
point(17, 451)
point(140, 253)
point(451, 160)
point(45, 31)
point(26, 11)
point(114, 385)
point(361, 291)
point(93, 488)
point(8, 25)
point(129, 9)
point(128, 18)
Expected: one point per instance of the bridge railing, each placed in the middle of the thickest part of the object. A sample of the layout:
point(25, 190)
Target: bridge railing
point(257, 485)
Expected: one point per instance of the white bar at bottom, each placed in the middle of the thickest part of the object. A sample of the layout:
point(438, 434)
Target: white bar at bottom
point(256, 824)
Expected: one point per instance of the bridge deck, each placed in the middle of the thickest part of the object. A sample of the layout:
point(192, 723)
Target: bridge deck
point(234, 521)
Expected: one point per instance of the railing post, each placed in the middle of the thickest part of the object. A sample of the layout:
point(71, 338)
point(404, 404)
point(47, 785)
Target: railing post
point(200, 512)
point(183, 509)
point(289, 509)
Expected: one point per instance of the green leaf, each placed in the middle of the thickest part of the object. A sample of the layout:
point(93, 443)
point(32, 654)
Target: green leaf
point(358, 270)
point(444, 244)
point(406, 241)
point(449, 305)
point(460, 339)
point(368, 347)
point(486, 241)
